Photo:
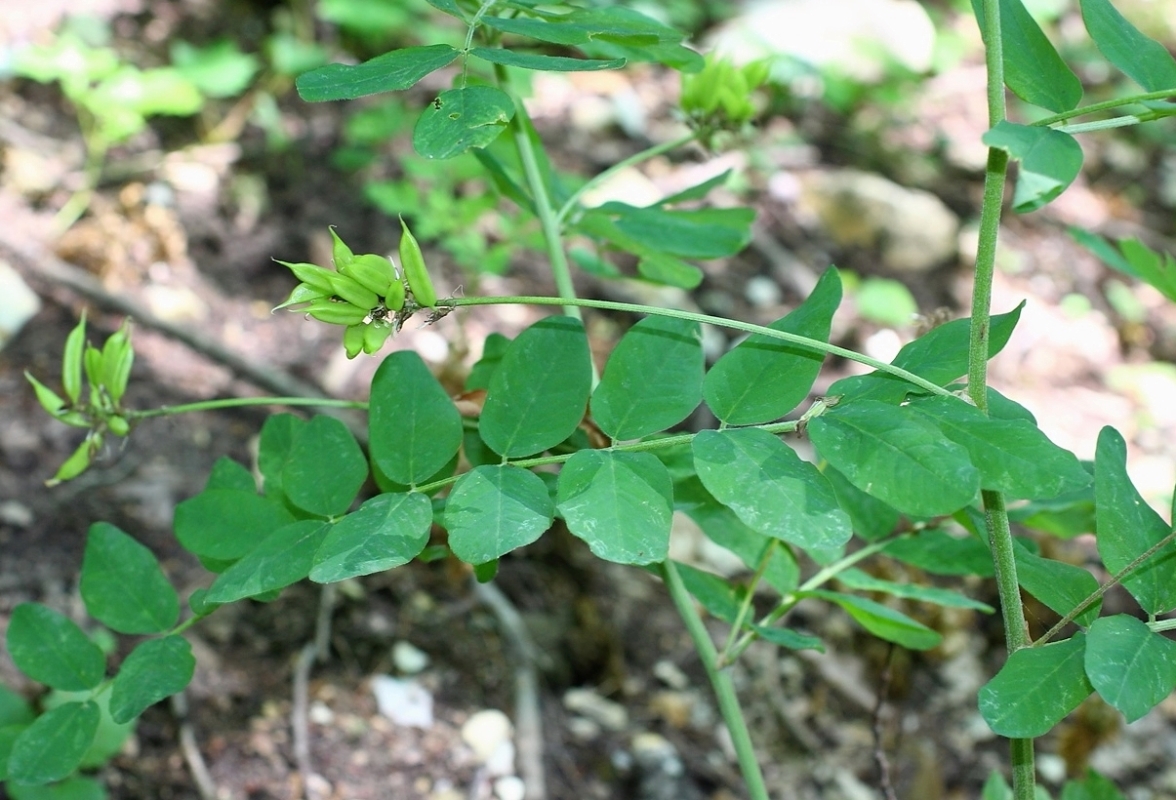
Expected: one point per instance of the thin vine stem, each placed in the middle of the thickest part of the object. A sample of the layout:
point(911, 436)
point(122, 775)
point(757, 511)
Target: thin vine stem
point(746, 327)
point(239, 402)
point(1105, 105)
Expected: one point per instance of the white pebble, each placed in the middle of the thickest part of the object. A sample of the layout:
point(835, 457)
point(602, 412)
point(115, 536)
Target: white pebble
point(408, 658)
point(510, 788)
point(405, 702)
point(484, 731)
point(612, 716)
point(761, 291)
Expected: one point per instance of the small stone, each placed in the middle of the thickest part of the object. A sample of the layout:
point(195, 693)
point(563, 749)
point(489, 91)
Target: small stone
point(676, 708)
point(762, 292)
point(405, 702)
point(585, 702)
point(15, 513)
point(510, 787)
point(670, 674)
point(485, 731)
point(408, 658)
point(502, 760)
point(1051, 768)
point(320, 714)
point(20, 303)
point(583, 729)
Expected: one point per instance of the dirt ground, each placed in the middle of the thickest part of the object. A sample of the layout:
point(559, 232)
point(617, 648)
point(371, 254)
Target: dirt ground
point(198, 257)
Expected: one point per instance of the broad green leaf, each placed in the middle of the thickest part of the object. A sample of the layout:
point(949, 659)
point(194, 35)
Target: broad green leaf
point(772, 490)
point(218, 69)
point(462, 119)
point(8, 734)
point(73, 788)
point(1013, 456)
point(871, 518)
point(786, 637)
point(654, 264)
point(390, 72)
point(156, 669)
point(1036, 688)
point(448, 6)
point(696, 192)
point(1127, 526)
point(385, 532)
point(698, 233)
point(582, 26)
point(1033, 69)
point(123, 586)
point(762, 379)
point(1092, 787)
point(719, 598)
point(283, 558)
point(1129, 665)
point(226, 524)
point(883, 621)
point(621, 504)
point(896, 455)
point(1136, 259)
point(723, 527)
point(513, 58)
point(414, 427)
point(1064, 516)
point(13, 709)
point(495, 509)
point(940, 356)
point(941, 553)
point(539, 392)
point(1144, 60)
point(653, 378)
point(51, 649)
point(995, 788)
point(1050, 161)
point(493, 349)
point(277, 437)
point(228, 474)
point(864, 582)
point(325, 468)
point(1060, 586)
point(52, 747)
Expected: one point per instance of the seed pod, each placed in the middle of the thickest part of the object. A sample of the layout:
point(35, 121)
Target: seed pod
point(92, 360)
point(394, 295)
point(49, 399)
point(118, 425)
point(353, 339)
point(412, 261)
point(71, 368)
point(335, 313)
point(316, 276)
point(374, 336)
point(370, 271)
point(351, 291)
point(303, 293)
point(340, 253)
point(117, 357)
point(77, 463)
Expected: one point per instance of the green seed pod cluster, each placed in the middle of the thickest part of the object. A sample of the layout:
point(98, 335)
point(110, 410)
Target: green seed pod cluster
point(412, 261)
point(719, 95)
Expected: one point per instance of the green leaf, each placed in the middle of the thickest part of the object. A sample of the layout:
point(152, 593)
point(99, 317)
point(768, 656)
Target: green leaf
point(123, 586)
point(277, 437)
point(772, 490)
point(699, 233)
point(53, 746)
point(1129, 665)
point(654, 265)
point(871, 518)
point(13, 709)
point(1144, 60)
point(228, 474)
point(462, 119)
point(696, 192)
point(1060, 586)
point(1137, 260)
point(786, 637)
point(495, 509)
point(1050, 161)
point(71, 362)
point(940, 356)
point(51, 649)
point(325, 469)
point(219, 69)
point(513, 58)
point(941, 553)
point(1127, 526)
point(156, 669)
point(539, 392)
point(414, 427)
point(653, 378)
point(896, 455)
point(719, 598)
point(226, 524)
point(385, 532)
point(864, 582)
point(1092, 787)
point(1013, 456)
point(621, 504)
point(762, 379)
point(1033, 69)
point(494, 347)
point(1035, 689)
point(583, 26)
point(283, 558)
point(72, 788)
point(390, 72)
point(882, 621)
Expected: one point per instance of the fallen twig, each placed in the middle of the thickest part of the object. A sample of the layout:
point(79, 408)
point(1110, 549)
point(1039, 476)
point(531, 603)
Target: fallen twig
point(191, 750)
point(315, 650)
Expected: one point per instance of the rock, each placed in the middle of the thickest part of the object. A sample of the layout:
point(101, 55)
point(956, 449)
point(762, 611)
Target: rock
point(659, 770)
point(408, 658)
point(913, 230)
point(762, 292)
point(670, 674)
point(485, 731)
point(20, 303)
point(510, 788)
point(405, 702)
point(587, 703)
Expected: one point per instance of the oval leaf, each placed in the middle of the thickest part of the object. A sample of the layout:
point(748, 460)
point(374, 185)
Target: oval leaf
point(1058, 585)
point(772, 490)
point(123, 586)
point(50, 648)
point(390, 72)
point(892, 453)
point(461, 119)
point(227, 523)
point(1035, 689)
point(1129, 665)
point(621, 504)
point(277, 437)
point(325, 468)
point(53, 746)
point(415, 429)
point(653, 378)
point(1033, 69)
point(762, 379)
point(1050, 161)
point(512, 58)
point(385, 532)
point(283, 558)
point(495, 509)
point(883, 621)
point(539, 392)
point(1144, 60)
point(155, 669)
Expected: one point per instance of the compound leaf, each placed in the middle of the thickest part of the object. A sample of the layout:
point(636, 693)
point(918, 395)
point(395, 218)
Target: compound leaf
point(883, 621)
point(226, 524)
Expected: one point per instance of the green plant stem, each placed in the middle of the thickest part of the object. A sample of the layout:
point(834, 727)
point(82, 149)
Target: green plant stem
point(747, 327)
point(238, 402)
point(720, 680)
point(1116, 122)
point(1105, 105)
point(632, 160)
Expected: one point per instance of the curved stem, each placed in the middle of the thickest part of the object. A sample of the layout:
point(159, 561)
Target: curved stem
point(238, 402)
point(1105, 105)
point(747, 327)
